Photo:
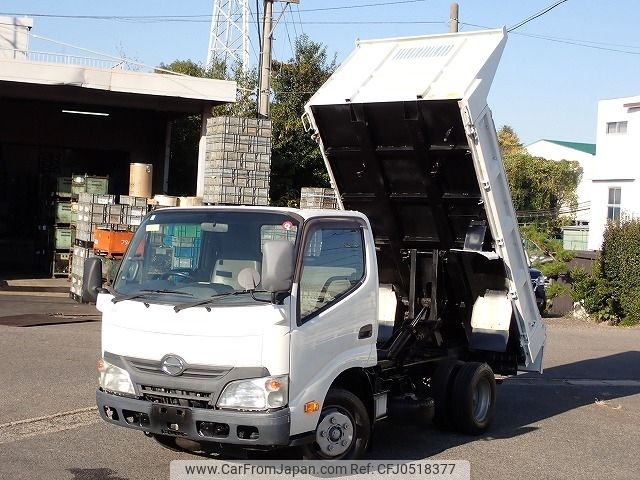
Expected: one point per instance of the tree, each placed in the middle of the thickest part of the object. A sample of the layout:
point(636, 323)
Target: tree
point(296, 160)
point(185, 131)
point(509, 141)
point(540, 190)
point(539, 187)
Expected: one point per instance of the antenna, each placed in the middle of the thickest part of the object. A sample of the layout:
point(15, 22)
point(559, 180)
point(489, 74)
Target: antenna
point(229, 34)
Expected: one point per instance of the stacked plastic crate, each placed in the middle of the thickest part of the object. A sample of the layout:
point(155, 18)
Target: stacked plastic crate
point(104, 229)
point(322, 198)
point(92, 213)
point(62, 232)
point(135, 208)
point(238, 161)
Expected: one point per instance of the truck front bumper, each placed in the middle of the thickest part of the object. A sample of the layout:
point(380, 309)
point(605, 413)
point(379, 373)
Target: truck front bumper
point(198, 424)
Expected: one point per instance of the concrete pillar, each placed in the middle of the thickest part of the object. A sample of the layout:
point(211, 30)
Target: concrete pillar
point(202, 151)
point(167, 157)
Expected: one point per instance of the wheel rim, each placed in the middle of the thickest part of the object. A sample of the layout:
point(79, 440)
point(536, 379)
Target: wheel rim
point(335, 433)
point(481, 400)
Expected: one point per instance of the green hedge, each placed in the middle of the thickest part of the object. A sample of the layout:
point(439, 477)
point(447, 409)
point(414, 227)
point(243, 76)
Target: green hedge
point(612, 290)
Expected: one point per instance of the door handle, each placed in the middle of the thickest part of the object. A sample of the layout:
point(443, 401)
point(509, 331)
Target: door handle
point(365, 332)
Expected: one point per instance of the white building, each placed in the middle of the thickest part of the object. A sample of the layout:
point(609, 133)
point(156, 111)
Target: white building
point(584, 154)
point(615, 192)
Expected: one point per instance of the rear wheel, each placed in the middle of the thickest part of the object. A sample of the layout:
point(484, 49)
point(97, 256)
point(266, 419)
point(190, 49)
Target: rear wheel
point(474, 398)
point(343, 431)
point(441, 386)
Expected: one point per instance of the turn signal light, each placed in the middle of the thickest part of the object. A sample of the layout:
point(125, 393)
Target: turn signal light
point(100, 365)
point(311, 407)
point(273, 385)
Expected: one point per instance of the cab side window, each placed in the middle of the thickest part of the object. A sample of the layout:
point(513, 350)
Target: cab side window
point(333, 265)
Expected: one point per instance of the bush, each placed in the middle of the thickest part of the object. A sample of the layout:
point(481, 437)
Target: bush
point(612, 291)
point(556, 289)
point(595, 294)
point(631, 308)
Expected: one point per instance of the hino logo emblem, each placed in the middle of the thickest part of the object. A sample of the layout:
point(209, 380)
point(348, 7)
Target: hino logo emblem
point(172, 365)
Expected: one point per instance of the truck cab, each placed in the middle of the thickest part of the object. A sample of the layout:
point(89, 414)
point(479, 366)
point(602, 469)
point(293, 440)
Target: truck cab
point(220, 316)
point(240, 327)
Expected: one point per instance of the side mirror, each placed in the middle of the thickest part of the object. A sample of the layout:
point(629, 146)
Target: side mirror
point(91, 280)
point(278, 263)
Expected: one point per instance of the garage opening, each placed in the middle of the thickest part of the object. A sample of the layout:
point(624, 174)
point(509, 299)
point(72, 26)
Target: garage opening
point(30, 194)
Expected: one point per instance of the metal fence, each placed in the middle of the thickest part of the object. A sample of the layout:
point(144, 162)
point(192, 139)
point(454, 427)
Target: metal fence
point(66, 59)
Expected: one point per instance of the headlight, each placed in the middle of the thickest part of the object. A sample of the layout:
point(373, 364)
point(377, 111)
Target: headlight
point(114, 379)
point(256, 394)
point(540, 280)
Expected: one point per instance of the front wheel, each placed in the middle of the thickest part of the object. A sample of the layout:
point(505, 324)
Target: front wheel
point(343, 431)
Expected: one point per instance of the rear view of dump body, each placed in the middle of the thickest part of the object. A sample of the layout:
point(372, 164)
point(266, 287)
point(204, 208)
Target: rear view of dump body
point(408, 139)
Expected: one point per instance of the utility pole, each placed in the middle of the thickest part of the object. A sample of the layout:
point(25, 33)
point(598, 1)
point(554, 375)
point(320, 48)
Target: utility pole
point(453, 18)
point(265, 60)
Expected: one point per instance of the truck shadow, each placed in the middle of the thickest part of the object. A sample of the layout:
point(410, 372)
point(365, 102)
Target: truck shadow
point(523, 402)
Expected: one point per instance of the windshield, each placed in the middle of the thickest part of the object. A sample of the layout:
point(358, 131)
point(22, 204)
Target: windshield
point(185, 256)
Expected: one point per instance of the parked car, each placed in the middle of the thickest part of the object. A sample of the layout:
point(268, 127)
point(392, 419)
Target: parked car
point(538, 280)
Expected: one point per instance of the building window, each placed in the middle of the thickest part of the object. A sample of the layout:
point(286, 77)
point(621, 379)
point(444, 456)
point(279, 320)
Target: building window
point(616, 127)
point(613, 207)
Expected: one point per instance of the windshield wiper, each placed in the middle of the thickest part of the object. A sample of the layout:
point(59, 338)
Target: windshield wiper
point(145, 292)
point(213, 298)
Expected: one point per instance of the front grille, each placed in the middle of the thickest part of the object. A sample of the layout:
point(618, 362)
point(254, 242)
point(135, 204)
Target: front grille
point(171, 396)
point(200, 371)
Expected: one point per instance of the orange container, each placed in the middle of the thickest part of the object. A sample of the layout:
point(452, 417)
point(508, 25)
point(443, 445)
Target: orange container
point(111, 242)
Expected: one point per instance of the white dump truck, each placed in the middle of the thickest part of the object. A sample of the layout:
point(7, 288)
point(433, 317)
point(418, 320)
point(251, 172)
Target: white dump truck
point(231, 328)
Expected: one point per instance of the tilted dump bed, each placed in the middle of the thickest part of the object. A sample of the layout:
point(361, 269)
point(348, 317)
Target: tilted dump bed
point(408, 139)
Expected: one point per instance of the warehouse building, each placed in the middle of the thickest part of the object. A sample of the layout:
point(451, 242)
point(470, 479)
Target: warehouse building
point(62, 115)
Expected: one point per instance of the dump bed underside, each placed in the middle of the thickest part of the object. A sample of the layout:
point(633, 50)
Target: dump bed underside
point(407, 166)
point(409, 140)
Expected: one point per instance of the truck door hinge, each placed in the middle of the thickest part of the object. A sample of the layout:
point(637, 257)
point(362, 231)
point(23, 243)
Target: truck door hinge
point(513, 294)
point(469, 127)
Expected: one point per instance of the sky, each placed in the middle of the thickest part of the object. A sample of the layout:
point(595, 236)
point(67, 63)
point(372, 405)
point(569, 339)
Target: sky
point(544, 88)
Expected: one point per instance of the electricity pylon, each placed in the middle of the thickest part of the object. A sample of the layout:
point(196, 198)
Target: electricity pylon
point(229, 34)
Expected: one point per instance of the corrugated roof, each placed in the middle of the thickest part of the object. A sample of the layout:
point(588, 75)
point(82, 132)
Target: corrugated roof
point(583, 147)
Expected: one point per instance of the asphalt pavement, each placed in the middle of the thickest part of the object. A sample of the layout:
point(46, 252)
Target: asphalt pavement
point(579, 420)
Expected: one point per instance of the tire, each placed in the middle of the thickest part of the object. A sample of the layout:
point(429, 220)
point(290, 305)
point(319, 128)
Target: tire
point(168, 442)
point(333, 441)
point(541, 300)
point(177, 444)
point(441, 387)
point(474, 398)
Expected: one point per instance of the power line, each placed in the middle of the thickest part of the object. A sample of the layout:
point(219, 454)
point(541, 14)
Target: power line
point(535, 15)
point(578, 40)
point(208, 20)
point(568, 41)
point(286, 28)
point(578, 43)
point(345, 7)
point(196, 16)
point(299, 18)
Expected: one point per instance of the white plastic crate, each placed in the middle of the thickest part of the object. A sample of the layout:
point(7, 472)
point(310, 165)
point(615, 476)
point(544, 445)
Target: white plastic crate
point(321, 198)
point(133, 201)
